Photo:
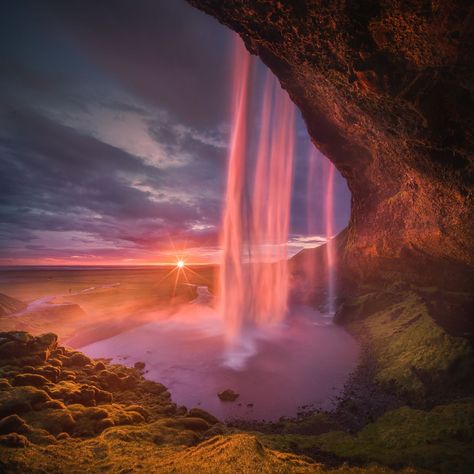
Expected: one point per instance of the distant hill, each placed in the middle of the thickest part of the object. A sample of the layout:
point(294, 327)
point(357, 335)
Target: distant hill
point(9, 305)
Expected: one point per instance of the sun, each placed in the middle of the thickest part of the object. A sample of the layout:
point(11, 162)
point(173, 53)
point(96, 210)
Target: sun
point(180, 263)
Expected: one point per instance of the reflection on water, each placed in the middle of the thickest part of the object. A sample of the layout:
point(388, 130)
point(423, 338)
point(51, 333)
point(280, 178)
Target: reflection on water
point(305, 361)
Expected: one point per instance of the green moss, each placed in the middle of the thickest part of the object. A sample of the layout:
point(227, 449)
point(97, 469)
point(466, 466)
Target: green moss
point(19, 400)
point(439, 439)
point(52, 420)
point(412, 352)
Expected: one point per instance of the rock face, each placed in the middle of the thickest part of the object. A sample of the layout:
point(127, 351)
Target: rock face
point(386, 90)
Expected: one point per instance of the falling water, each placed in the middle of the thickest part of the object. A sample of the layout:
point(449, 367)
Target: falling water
point(313, 178)
point(254, 274)
point(330, 245)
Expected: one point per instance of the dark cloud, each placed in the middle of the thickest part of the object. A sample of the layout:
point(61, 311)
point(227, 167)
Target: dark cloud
point(114, 127)
point(166, 52)
point(53, 178)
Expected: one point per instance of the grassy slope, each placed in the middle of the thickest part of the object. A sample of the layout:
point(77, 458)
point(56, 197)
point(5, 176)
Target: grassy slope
point(123, 450)
point(413, 354)
point(439, 439)
point(419, 360)
point(414, 357)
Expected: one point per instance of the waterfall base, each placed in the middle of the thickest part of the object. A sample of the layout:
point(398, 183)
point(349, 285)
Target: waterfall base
point(304, 362)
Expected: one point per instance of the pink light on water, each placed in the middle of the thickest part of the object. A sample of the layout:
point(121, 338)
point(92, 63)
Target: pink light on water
point(233, 281)
point(313, 182)
point(330, 246)
point(254, 273)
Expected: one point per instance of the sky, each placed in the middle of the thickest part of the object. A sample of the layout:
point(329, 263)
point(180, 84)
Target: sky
point(114, 130)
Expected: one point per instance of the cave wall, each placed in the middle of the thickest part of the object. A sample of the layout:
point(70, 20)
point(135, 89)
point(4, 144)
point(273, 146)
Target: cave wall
point(386, 90)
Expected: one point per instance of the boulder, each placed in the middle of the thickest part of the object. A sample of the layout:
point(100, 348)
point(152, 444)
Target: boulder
point(12, 424)
point(77, 359)
point(228, 395)
point(153, 387)
point(30, 379)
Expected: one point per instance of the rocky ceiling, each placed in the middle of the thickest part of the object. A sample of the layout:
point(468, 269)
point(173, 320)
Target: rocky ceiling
point(386, 90)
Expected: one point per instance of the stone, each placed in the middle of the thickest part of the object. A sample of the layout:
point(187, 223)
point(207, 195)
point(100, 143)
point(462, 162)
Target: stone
point(388, 99)
point(228, 395)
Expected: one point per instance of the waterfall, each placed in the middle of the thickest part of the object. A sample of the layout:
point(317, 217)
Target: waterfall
point(330, 244)
point(254, 273)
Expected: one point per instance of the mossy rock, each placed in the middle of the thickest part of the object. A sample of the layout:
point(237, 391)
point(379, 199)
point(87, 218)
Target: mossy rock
point(52, 420)
point(199, 413)
point(12, 424)
point(18, 400)
point(34, 380)
point(189, 423)
point(413, 354)
point(76, 359)
point(152, 387)
point(14, 440)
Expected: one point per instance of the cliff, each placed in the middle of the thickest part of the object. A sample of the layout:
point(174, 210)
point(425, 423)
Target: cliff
point(386, 90)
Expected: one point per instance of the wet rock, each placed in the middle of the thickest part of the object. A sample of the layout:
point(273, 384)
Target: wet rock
point(139, 365)
point(228, 395)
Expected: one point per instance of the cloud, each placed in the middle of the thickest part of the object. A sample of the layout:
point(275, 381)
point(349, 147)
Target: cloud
point(114, 131)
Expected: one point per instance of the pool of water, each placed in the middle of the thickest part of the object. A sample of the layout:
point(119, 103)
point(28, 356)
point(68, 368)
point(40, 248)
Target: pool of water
point(304, 362)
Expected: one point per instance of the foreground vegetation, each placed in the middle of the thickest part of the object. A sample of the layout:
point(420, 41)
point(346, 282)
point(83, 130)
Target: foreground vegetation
point(412, 409)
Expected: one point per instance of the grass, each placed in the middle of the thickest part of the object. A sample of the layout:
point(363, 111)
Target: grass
point(413, 354)
point(439, 439)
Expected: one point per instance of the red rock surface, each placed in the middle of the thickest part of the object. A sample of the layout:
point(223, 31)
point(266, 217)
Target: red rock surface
point(386, 90)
